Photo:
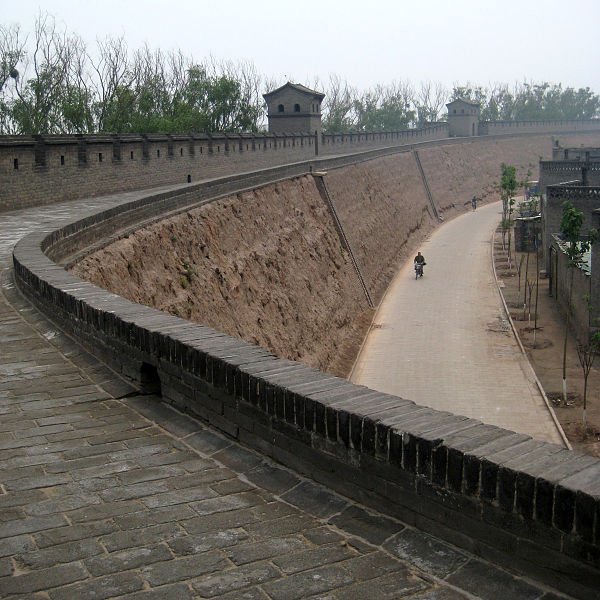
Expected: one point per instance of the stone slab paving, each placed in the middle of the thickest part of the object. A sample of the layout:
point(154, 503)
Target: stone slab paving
point(444, 341)
point(105, 493)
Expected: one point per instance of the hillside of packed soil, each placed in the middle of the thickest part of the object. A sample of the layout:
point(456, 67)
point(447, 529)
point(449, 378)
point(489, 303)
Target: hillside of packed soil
point(268, 265)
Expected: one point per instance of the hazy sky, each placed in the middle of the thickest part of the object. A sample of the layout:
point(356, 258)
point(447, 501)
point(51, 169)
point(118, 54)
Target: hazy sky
point(366, 43)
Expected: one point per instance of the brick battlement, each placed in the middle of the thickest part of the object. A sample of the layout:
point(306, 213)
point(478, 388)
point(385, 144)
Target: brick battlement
point(38, 170)
point(74, 167)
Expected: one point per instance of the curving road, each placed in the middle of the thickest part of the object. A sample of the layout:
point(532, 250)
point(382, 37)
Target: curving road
point(443, 341)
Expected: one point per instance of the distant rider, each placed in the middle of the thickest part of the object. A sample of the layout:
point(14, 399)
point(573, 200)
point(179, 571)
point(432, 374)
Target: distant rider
point(419, 263)
point(419, 258)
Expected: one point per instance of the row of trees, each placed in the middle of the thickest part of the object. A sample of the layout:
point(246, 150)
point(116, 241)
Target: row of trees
point(51, 82)
point(531, 101)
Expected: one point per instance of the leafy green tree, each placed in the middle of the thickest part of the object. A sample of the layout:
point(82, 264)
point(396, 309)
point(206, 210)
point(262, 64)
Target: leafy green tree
point(338, 105)
point(383, 108)
point(531, 101)
point(587, 355)
point(508, 187)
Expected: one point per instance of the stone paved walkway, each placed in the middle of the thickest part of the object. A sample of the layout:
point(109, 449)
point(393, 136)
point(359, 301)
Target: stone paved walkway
point(444, 341)
point(108, 494)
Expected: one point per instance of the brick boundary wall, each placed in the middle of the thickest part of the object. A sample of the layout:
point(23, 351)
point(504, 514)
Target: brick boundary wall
point(527, 504)
point(36, 170)
point(48, 169)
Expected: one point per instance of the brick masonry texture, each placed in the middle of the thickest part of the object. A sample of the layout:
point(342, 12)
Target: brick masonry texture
point(149, 503)
point(39, 170)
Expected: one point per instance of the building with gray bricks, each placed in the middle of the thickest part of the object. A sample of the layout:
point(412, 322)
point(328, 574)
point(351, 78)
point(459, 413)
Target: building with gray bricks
point(294, 108)
point(574, 176)
point(463, 118)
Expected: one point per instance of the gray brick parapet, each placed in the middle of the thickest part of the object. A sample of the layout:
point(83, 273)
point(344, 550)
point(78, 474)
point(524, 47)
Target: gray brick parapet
point(36, 170)
point(524, 503)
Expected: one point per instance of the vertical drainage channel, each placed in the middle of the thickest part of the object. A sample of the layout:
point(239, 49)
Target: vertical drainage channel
point(150, 380)
point(426, 185)
point(319, 177)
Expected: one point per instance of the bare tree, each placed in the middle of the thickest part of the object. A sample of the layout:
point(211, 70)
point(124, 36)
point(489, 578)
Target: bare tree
point(430, 100)
point(112, 75)
point(587, 354)
point(338, 105)
point(12, 52)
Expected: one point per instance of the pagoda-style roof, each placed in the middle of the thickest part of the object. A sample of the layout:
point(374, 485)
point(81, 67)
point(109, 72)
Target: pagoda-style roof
point(463, 101)
point(297, 87)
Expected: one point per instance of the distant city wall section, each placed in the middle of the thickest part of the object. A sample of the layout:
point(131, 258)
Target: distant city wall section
point(48, 169)
point(42, 170)
point(512, 127)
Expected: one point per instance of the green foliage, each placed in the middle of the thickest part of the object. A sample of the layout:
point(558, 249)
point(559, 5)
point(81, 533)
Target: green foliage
point(570, 228)
point(51, 83)
point(508, 187)
point(531, 101)
point(382, 108)
point(382, 114)
point(57, 88)
point(508, 179)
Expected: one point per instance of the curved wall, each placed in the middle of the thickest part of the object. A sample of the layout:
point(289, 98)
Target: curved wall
point(526, 503)
point(264, 265)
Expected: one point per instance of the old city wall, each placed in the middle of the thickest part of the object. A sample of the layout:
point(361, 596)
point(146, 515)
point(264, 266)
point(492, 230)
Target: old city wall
point(45, 170)
point(265, 265)
point(558, 127)
point(524, 503)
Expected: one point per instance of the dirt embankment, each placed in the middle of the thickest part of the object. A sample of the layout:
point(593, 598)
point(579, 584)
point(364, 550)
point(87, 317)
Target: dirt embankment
point(385, 212)
point(268, 266)
point(457, 173)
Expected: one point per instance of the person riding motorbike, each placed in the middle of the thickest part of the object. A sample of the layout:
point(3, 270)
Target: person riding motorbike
point(419, 263)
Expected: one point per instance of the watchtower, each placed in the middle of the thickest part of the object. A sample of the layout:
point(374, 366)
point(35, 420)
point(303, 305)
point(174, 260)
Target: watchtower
point(294, 108)
point(463, 118)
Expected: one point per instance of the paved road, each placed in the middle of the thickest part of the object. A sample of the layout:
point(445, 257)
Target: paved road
point(108, 494)
point(443, 340)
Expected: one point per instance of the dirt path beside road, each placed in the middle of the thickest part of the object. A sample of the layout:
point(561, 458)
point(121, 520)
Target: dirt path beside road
point(547, 355)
